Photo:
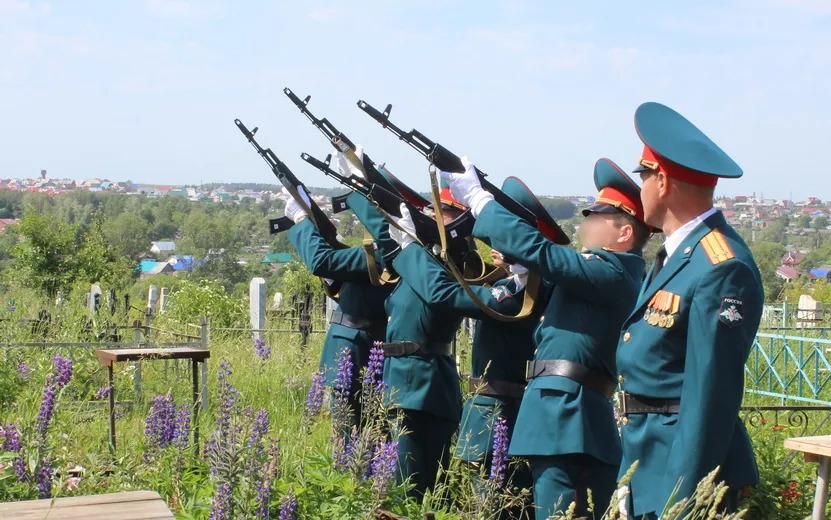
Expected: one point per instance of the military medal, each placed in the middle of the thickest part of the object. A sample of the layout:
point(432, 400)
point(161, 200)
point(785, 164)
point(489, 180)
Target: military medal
point(662, 321)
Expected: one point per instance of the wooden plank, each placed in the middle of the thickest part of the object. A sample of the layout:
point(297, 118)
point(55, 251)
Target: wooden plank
point(107, 357)
point(820, 445)
point(131, 505)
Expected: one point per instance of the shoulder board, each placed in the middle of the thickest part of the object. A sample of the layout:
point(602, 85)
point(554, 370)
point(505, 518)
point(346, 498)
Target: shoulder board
point(716, 247)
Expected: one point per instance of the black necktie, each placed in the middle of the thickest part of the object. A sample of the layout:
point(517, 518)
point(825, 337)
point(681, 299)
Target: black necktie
point(660, 257)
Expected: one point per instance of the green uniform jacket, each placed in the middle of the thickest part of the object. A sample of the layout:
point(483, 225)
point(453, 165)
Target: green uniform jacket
point(593, 293)
point(502, 349)
point(424, 382)
point(700, 359)
point(358, 297)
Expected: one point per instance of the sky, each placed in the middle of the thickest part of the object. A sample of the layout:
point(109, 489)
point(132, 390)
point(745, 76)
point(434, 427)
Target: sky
point(147, 90)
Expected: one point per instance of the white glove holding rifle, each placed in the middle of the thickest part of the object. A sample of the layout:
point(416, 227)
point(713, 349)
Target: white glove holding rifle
point(345, 166)
point(467, 188)
point(293, 209)
point(403, 236)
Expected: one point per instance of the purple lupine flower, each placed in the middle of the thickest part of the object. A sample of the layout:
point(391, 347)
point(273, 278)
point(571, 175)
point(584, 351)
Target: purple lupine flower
point(343, 449)
point(314, 400)
point(181, 428)
point(261, 349)
point(343, 379)
point(63, 370)
point(499, 462)
point(222, 505)
point(383, 466)
point(160, 425)
point(44, 480)
point(23, 371)
point(288, 506)
point(54, 383)
point(263, 498)
point(102, 393)
point(11, 438)
point(375, 367)
point(227, 398)
point(19, 467)
point(270, 471)
point(259, 427)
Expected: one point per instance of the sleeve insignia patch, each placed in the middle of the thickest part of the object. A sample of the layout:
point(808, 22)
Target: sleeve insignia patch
point(501, 293)
point(731, 311)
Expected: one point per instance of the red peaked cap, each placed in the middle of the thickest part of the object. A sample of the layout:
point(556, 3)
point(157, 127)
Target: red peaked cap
point(675, 171)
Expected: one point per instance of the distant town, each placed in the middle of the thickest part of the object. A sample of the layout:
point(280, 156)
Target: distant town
point(807, 218)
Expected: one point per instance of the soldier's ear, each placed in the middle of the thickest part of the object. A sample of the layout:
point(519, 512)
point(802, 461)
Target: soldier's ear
point(626, 233)
point(663, 185)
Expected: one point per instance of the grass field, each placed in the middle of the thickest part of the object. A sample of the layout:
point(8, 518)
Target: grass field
point(273, 453)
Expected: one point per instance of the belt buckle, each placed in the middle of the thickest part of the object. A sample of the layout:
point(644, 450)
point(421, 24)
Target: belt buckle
point(528, 369)
point(621, 396)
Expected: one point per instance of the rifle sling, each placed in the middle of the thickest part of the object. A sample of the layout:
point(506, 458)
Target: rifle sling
point(531, 286)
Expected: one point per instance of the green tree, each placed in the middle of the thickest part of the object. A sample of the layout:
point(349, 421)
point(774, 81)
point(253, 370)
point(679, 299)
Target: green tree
point(559, 209)
point(768, 256)
point(97, 260)
point(129, 235)
point(803, 221)
point(821, 222)
point(221, 268)
point(203, 232)
point(816, 257)
point(774, 232)
point(44, 257)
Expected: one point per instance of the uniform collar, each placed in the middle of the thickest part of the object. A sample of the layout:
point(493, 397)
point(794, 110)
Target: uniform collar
point(674, 240)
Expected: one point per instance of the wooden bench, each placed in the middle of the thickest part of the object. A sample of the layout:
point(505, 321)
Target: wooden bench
point(130, 505)
point(816, 449)
point(109, 358)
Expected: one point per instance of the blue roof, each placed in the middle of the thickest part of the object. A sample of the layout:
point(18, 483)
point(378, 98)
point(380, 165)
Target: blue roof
point(277, 258)
point(821, 273)
point(183, 263)
point(147, 265)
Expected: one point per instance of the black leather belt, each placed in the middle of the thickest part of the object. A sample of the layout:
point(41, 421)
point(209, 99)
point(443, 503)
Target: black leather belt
point(408, 348)
point(496, 388)
point(636, 404)
point(355, 322)
point(589, 378)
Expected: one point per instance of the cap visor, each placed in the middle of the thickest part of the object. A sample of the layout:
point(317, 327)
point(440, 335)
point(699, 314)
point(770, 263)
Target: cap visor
point(600, 208)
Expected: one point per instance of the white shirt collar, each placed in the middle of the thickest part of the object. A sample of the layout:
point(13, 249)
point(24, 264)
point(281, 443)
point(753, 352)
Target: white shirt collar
point(674, 240)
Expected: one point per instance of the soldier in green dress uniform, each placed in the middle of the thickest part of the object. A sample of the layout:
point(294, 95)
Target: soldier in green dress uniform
point(360, 318)
point(566, 426)
point(683, 348)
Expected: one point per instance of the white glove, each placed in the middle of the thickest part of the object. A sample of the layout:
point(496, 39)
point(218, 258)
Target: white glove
point(293, 209)
point(466, 187)
point(519, 274)
point(345, 166)
point(405, 237)
point(518, 269)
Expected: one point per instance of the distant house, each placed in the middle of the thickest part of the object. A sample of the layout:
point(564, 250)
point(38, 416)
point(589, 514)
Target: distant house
point(821, 273)
point(146, 265)
point(182, 263)
point(149, 269)
point(787, 273)
point(792, 258)
point(163, 248)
